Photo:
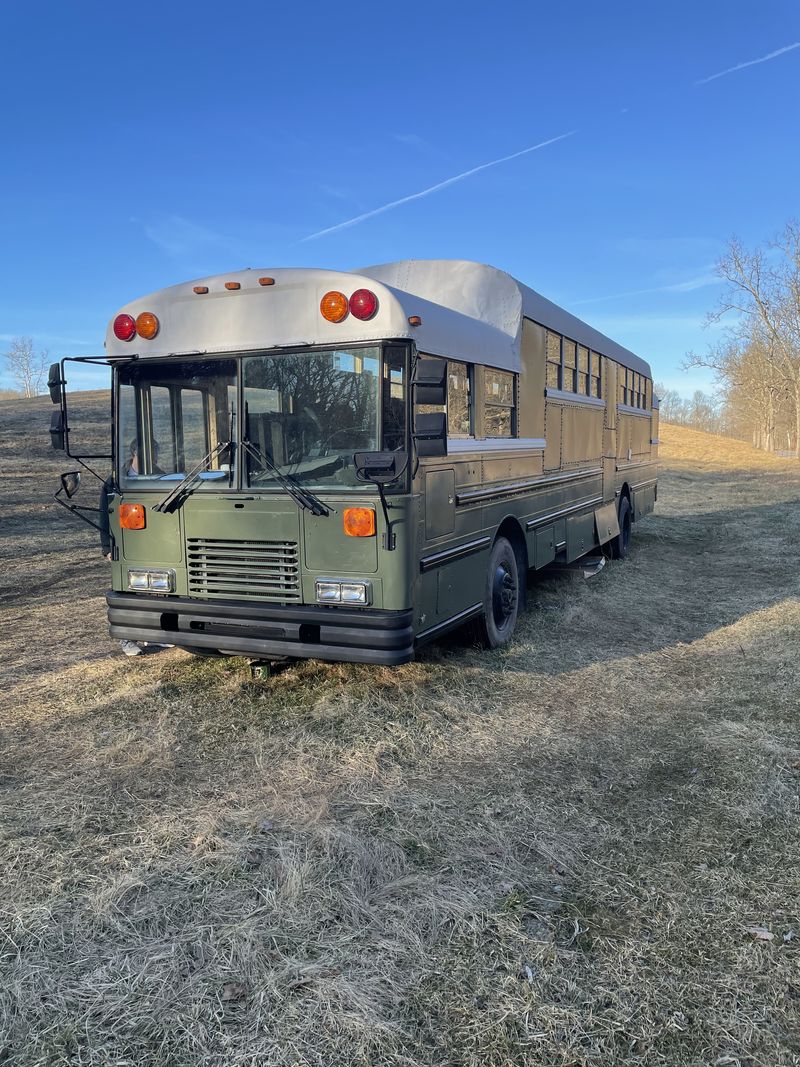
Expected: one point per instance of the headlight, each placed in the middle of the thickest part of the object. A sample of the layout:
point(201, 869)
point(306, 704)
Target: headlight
point(354, 593)
point(329, 592)
point(340, 591)
point(156, 581)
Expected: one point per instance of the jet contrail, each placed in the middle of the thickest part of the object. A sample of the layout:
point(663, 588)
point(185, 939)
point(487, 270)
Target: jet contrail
point(688, 286)
point(749, 63)
point(435, 188)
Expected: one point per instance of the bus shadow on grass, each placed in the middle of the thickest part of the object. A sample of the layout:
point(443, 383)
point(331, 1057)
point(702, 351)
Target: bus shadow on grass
point(686, 577)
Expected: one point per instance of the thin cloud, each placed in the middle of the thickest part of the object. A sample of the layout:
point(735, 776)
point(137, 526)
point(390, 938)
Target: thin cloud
point(749, 63)
point(179, 237)
point(701, 282)
point(434, 188)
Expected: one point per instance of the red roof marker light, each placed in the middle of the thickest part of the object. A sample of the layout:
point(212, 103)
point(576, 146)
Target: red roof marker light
point(124, 328)
point(363, 304)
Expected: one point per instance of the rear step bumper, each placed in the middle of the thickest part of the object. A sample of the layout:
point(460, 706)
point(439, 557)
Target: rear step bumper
point(264, 630)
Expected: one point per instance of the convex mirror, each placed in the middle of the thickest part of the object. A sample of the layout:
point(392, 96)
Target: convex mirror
point(71, 483)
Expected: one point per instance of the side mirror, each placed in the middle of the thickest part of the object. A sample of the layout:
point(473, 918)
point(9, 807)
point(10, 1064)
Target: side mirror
point(430, 381)
point(430, 434)
point(54, 383)
point(71, 483)
point(381, 468)
point(57, 431)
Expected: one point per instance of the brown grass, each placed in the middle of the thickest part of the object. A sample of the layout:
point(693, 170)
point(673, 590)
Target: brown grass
point(547, 855)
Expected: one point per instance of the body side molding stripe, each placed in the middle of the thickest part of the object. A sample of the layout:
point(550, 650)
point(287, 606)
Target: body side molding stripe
point(446, 555)
point(520, 487)
point(533, 523)
point(440, 627)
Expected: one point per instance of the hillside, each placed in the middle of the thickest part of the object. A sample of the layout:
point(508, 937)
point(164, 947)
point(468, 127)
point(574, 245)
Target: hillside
point(680, 443)
point(581, 850)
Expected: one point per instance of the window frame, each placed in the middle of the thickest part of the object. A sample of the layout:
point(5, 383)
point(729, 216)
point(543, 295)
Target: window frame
point(512, 407)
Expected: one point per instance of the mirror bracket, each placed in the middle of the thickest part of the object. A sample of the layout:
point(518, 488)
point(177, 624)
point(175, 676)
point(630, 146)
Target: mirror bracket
point(381, 469)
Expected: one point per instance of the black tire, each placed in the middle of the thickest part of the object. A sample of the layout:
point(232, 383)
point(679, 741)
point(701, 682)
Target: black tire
point(501, 596)
point(622, 542)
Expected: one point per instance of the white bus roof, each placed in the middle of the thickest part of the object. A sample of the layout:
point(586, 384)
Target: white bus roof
point(468, 311)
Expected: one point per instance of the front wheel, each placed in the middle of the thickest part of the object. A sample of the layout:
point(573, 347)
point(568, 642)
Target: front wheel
point(622, 542)
point(501, 596)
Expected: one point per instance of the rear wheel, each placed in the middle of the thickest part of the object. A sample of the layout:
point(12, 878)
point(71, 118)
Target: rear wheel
point(501, 596)
point(622, 542)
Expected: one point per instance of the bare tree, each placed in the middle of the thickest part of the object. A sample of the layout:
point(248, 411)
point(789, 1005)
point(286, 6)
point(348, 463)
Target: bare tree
point(761, 363)
point(27, 367)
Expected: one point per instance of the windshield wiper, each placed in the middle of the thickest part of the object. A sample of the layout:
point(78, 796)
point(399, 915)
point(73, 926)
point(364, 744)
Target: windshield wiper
point(187, 485)
point(302, 496)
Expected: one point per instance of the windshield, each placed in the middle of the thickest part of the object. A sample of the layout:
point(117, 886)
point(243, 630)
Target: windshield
point(308, 412)
point(171, 416)
point(305, 413)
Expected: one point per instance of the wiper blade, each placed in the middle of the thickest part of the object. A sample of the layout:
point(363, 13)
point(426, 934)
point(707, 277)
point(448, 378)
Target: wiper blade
point(187, 485)
point(304, 497)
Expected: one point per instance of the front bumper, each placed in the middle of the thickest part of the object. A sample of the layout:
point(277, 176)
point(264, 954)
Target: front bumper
point(244, 628)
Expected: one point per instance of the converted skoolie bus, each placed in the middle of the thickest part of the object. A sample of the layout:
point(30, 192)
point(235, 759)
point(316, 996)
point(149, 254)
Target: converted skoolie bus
point(344, 466)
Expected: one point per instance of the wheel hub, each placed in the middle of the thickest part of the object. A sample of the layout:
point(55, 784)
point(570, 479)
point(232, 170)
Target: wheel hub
point(504, 595)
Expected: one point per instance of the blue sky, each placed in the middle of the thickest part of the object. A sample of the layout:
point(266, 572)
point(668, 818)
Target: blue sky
point(148, 144)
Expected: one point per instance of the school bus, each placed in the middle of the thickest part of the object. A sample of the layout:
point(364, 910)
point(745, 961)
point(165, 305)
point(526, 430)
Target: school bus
point(312, 463)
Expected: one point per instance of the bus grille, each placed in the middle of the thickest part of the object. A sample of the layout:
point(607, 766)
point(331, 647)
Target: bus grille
point(267, 570)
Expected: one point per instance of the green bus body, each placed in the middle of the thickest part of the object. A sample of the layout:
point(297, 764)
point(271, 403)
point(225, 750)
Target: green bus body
point(551, 456)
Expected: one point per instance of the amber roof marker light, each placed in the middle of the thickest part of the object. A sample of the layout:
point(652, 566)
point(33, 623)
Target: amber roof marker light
point(200, 289)
point(147, 325)
point(414, 320)
point(334, 306)
point(233, 285)
point(266, 281)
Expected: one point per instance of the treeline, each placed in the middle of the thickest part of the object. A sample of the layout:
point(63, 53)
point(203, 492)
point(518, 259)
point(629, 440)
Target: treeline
point(757, 364)
point(702, 411)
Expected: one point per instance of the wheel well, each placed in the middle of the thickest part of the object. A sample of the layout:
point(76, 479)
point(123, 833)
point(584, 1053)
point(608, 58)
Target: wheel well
point(512, 531)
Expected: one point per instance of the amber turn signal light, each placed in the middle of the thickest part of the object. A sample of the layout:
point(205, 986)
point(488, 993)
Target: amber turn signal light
point(147, 325)
point(334, 306)
point(359, 522)
point(131, 516)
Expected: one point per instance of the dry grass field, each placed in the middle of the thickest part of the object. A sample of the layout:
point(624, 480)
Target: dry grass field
point(581, 850)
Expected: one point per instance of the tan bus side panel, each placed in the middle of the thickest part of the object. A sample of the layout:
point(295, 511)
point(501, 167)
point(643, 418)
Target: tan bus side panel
point(654, 433)
point(581, 435)
point(644, 500)
point(633, 437)
point(552, 433)
point(530, 404)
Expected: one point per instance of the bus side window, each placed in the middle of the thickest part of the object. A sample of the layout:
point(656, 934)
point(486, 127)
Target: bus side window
point(595, 376)
point(459, 400)
point(394, 399)
point(499, 403)
point(553, 349)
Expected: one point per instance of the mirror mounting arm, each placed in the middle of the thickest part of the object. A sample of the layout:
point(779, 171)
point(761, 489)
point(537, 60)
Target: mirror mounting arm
point(76, 509)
